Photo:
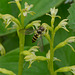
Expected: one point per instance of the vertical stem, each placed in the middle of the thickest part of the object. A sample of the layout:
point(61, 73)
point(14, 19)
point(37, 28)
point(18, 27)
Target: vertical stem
point(51, 54)
point(21, 58)
point(21, 46)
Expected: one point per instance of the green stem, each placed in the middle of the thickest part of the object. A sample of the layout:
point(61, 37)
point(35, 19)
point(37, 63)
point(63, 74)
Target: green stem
point(21, 45)
point(21, 58)
point(51, 54)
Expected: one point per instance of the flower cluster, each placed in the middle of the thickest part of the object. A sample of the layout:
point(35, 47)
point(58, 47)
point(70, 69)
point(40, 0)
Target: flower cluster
point(66, 42)
point(8, 19)
point(31, 57)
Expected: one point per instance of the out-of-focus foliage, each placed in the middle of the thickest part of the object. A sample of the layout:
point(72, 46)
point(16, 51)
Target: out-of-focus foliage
point(68, 1)
point(71, 17)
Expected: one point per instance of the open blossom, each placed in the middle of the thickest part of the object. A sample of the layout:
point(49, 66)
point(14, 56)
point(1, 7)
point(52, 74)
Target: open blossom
point(53, 15)
point(34, 24)
point(27, 8)
point(31, 57)
point(53, 12)
point(8, 19)
point(71, 39)
point(66, 42)
point(7, 22)
point(62, 24)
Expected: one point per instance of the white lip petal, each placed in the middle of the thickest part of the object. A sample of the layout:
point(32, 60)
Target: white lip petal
point(25, 13)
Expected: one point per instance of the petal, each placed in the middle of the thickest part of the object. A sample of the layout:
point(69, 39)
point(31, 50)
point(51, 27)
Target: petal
point(48, 54)
point(26, 5)
point(65, 29)
point(53, 11)
point(25, 13)
point(30, 6)
point(34, 49)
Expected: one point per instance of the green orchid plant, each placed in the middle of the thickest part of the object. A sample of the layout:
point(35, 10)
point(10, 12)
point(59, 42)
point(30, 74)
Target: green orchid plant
point(16, 24)
point(29, 55)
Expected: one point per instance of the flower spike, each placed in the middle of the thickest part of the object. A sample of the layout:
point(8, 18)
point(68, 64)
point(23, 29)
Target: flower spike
point(27, 9)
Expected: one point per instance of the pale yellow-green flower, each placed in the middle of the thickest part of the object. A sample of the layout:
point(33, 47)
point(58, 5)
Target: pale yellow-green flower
point(66, 42)
point(10, 19)
point(31, 57)
point(66, 69)
point(27, 9)
point(46, 27)
point(53, 12)
point(33, 49)
point(33, 24)
point(53, 15)
point(62, 24)
point(30, 51)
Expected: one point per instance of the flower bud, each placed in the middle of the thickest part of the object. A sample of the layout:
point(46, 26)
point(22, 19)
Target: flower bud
point(2, 49)
point(5, 71)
